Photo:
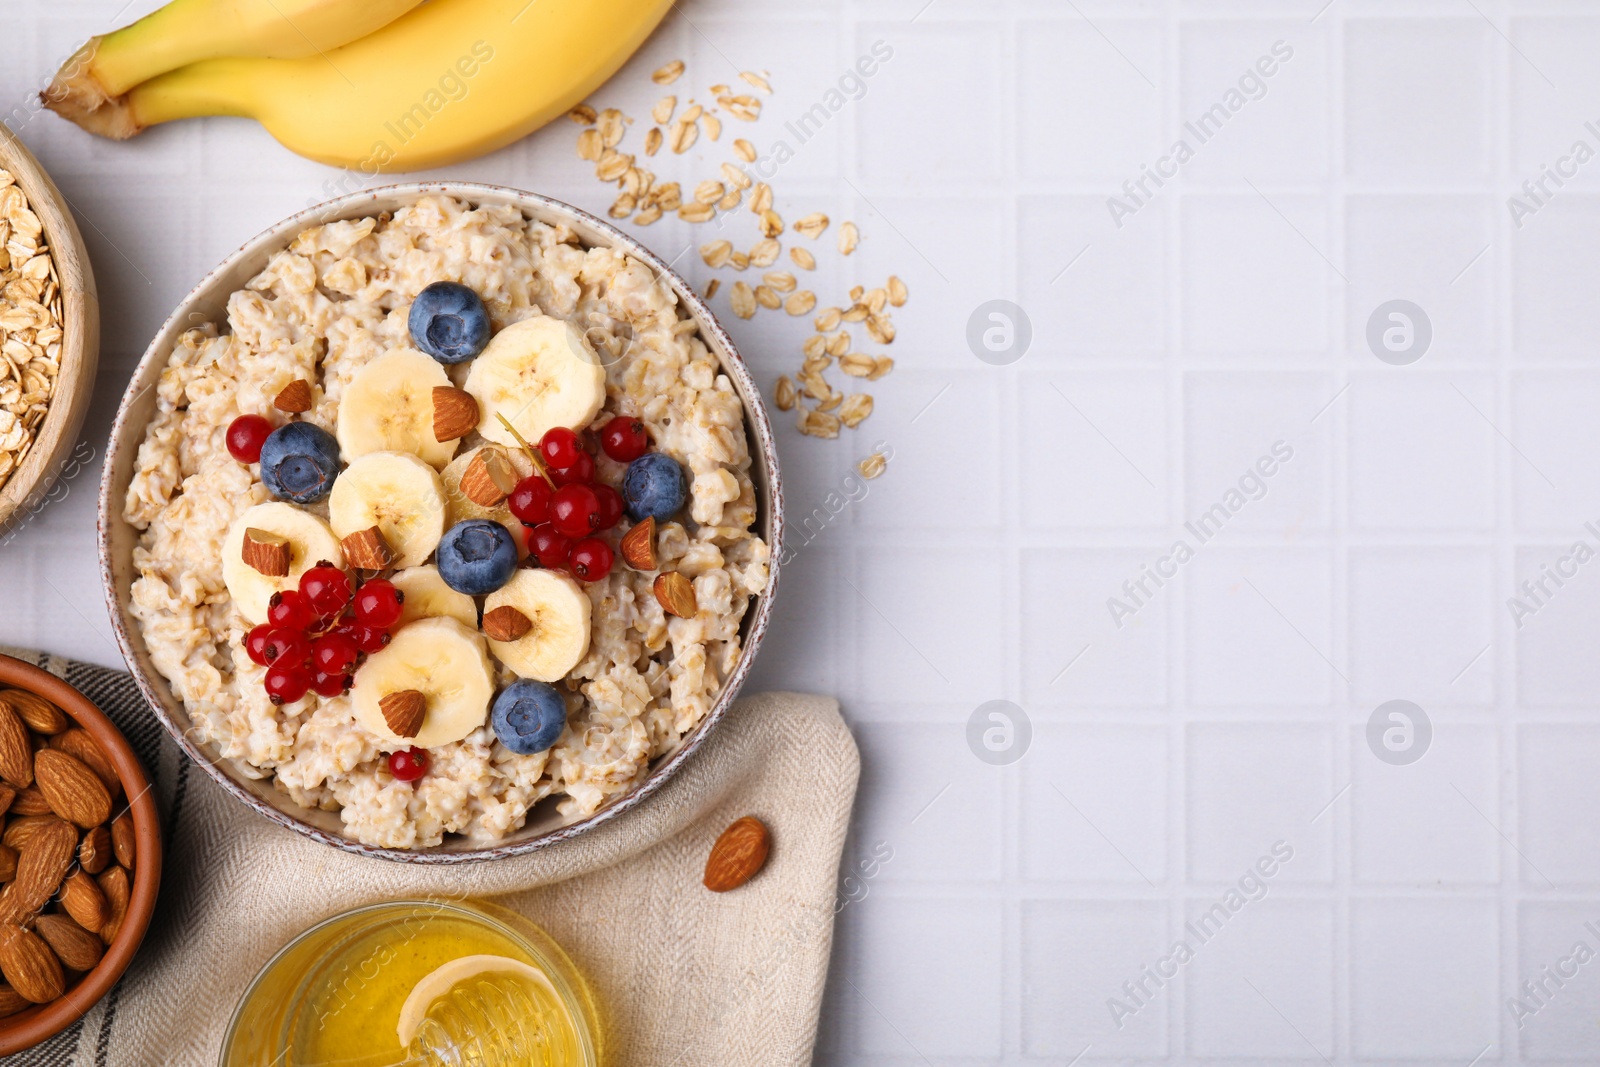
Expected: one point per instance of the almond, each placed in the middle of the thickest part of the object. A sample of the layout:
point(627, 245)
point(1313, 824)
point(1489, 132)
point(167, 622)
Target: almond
point(489, 477)
point(40, 714)
point(29, 965)
point(81, 745)
point(294, 398)
point(7, 796)
point(676, 595)
point(367, 550)
point(74, 791)
point(404, 712)
point(22, 828)
point(114, 884)
point(122, 839)
point(42, 862)
point(16, 748)
point(31, 801)
point(77, 949)
point(639, 546)
point(455, 413)
point(739, 853)
point(265, 552)
point(8, 863)
point(94, 852)
point(506, 623)
point(82, 899)
point(11, 1001)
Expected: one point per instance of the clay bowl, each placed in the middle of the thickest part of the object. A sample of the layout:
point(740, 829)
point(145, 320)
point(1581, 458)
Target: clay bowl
point(53, 451)
point(30, 1027)
point(208, 303)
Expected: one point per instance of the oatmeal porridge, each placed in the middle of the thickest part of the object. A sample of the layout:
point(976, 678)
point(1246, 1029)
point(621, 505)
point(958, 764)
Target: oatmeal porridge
point(453, 514)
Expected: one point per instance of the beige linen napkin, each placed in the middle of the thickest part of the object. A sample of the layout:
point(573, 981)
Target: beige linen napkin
point(684, 976)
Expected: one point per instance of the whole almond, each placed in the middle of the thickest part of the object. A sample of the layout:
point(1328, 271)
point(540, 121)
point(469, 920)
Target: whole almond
point(74, 791)
point(77, 949)
point(506, 623)
point(7, 795)
point(122, 839)
point(8, 863)
point(82, 899)
point(31, 801)
point(11, 1001)
point(40, 714)
point(94, 851)
point(29, 965)
point(455, 413)
point(639, 546)
point(676, 595)
point(738, 855)
point(20, 829)
point(114, 884)
point(81, 745)
point(41, 865)
point(16, 748)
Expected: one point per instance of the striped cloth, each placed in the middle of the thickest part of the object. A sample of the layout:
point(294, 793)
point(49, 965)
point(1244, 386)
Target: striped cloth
point(684, 976)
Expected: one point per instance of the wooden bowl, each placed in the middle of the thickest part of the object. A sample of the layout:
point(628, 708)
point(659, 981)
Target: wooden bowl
point(28, 1028)
point(52, 452)
point(208, 303)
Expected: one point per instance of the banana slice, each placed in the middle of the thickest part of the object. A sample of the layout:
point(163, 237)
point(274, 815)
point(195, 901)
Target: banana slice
point(310, 540)
point(399, 494)
point(459, 507)
point(427, 597)
point(388, 407)
point(444, 661)
point(538, 373)
point(558, 608)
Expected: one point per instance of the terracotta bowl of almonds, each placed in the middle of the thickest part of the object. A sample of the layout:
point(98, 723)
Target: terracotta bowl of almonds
point(80, 854)
point(49, 335)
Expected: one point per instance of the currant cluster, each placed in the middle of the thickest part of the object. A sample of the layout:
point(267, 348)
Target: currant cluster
point(562, 521)
point(314, 637)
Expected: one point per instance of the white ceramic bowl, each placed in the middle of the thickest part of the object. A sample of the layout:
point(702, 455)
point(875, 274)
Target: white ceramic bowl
point(207, 303)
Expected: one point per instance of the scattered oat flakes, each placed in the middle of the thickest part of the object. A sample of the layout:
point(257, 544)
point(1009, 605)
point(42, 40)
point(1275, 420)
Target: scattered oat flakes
point(716, 253)
point(611, 127)
point(712, 124)
point(742, 299)
point(696, 212)
point(682, 136)
point(803, 259)
point(729, 202)
point(669, 73)
point(872, 466)
point(739, 260)
point(828, 320)
point(768, 298)
point(783, 394)
point(856, 364)
point(652, 141)
point(839, 344)
point(801, 303)
point(590, 145)
point(849, 237)
point(736, 177)
point(812, 225)
point(765, 253)
point(745, 150)
point(855, 410)
point(712, 286)
point(761, 199)
point(815, 347)
point(648, 215)
point(583, 115)
point(708, 192)
point(612, 166)
point(897, 291)
point(744, 108)
point(880, 329)
point(818, 424)
point(663, 110)
point(669, 196)
point(780, 280)
point(756, 80)
point(623, 207)
point(770, 223)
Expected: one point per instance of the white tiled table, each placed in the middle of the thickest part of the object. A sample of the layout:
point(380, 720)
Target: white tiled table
point(1230, 711)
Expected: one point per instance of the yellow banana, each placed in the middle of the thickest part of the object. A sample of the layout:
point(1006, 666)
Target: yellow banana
point(186, 31)
point(449, 81)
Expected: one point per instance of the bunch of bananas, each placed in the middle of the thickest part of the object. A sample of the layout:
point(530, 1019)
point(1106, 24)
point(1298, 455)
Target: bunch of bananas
point(374, 85)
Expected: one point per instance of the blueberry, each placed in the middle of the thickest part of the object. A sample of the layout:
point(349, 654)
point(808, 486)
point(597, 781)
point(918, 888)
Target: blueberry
point(299, 462)
point(529, 716)
point(477, 556)
point(654, 486)
point(448, 321)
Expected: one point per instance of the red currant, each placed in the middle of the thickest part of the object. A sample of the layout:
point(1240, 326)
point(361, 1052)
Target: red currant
point(255, 643)
point(591, 559)
point(408, 764)
point(378, 604)
point(580, 473)
point(286, 684)
point(560, 447)
point(246, 435)
point(326, 589)
point(370, 639)
point(549, 547)
point(288, 646)
point(330, 685)
point(335, 653)
point(610, 506)
point(624, 439)
point(530, 500)
point(575, 511)
point(289, 610)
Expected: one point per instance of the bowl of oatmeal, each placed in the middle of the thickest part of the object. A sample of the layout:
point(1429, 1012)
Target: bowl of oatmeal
point(441, 522)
